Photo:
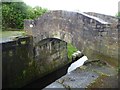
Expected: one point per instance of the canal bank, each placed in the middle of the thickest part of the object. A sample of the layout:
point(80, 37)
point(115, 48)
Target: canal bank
point(93, 74)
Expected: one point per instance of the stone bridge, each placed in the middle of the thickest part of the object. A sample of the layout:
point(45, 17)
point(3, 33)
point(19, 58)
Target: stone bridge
point(27, 60)
point(95, 37)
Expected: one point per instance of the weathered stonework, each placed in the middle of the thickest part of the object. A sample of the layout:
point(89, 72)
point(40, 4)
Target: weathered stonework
point(22, 63)
point(107, 18)
point(94, 37)
point(50, 54)
point(16, 58)
point(27, 59)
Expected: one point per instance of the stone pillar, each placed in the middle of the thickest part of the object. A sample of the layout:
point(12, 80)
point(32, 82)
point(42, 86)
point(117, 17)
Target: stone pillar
point(28, 25)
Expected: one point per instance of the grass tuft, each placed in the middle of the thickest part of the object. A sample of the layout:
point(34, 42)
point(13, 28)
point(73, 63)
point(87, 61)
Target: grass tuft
point(71, 50)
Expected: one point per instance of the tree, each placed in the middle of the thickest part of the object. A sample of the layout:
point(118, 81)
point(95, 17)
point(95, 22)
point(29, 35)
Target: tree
point(35, 12)
point(38, 11)
point(14, 13)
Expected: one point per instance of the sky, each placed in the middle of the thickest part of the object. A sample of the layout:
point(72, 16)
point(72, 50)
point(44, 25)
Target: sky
point(108, 7)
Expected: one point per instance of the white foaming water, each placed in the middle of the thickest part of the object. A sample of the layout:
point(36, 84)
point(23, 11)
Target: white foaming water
point(77, 64)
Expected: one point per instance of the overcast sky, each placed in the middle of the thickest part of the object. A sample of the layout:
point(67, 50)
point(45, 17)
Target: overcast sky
point(108, 7)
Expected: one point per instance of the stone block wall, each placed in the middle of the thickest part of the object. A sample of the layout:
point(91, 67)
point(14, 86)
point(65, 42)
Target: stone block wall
point(23, 62)
point(107, 18)
point(16, 56)
point(50, 54)
point(91, 35)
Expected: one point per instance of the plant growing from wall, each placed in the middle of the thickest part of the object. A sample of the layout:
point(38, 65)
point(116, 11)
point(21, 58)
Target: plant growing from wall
point(71, 49)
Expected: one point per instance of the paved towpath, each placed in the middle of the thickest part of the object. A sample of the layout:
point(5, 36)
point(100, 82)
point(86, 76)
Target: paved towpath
point(93, 74)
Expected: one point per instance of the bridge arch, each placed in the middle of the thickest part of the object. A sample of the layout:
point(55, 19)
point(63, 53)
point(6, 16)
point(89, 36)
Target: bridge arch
point(57, 24)
point(87, 33)
point(92, 36)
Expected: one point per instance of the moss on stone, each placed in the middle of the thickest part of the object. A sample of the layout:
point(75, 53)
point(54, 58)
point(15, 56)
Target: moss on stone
point(93, 54)
point(71, 50)
point(119, 68)
point(97, 82)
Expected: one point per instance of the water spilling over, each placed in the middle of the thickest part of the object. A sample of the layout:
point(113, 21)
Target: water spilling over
point(77, 64)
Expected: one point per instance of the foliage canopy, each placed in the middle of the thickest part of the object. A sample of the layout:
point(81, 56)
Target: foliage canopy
point(14, 13)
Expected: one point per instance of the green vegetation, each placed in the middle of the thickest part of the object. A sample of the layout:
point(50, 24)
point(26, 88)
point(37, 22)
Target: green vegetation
point(8, 34)
point(118, 14)
point(119, 68)
point(14, 13)
point(71, 50)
